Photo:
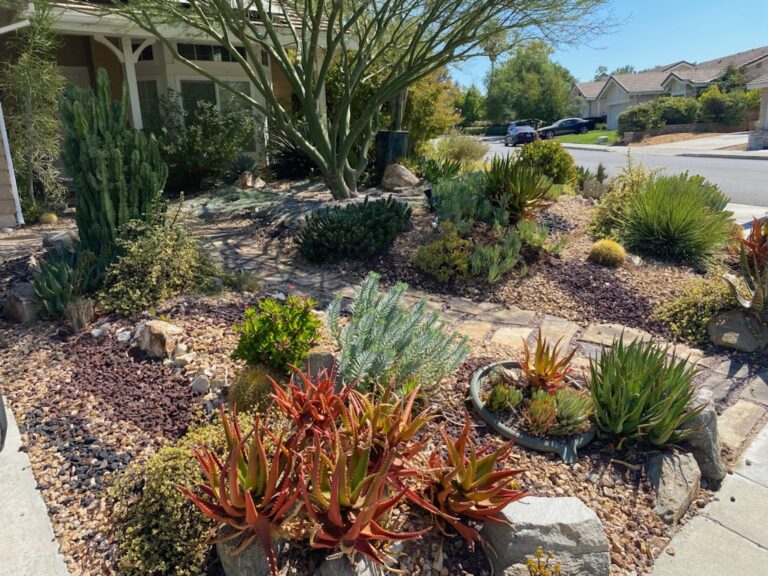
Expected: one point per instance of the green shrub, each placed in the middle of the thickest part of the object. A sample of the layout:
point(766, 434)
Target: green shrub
point(515, 187)
point(201, 143)
point(461, 202)
point(31, 210)
point(277, 334)
point(639, 118)
point(493, 262)
point(118, 172)
point(156, 530)
point(673, 110)
point(461, 148)
point(445, 259)
point(726, 107)
point(610, 214)
point(607, 253)
point(384, 342)
point(679, 219)
point(356, 231)
point(641, 393)
point(550, 159)
point(688, 315)
point(156, 262)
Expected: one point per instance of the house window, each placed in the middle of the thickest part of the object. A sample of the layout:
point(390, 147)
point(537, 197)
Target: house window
point(149, 102)
point(207, 52)
point(146, 54)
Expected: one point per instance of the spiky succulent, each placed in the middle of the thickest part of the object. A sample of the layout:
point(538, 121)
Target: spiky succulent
point(753, 253)
point(504, 398)
point(545, 368)
point(540, 416)
point(574, 409)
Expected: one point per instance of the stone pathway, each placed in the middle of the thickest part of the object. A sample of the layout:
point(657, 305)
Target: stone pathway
point(27, 544)
point(730, 537)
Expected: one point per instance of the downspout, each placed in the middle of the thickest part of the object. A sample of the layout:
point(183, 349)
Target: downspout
point(11, 173)
point(14, 26)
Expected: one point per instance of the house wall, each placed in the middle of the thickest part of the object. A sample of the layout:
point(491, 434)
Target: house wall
point(678, 88)
point(756, 69)
point(613, 102)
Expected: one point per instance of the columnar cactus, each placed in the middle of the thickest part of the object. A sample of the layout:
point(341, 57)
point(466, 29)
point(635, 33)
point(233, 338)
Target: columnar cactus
point(118, 171)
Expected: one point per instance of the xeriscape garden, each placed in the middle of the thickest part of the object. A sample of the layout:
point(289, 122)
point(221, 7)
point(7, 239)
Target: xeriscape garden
point(419, 378)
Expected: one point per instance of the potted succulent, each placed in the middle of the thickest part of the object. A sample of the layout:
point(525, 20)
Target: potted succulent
point(535, 401)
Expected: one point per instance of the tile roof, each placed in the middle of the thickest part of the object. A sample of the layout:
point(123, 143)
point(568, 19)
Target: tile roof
point(759, 80)
point(698, 75)
point(590, 90)
point(737, 60)
point(642, 82)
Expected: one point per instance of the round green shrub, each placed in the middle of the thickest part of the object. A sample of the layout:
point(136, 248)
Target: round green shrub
point(688, 315)
point(551, 159)
point(607, 253)
point(156, 530)
point(277, 334)
point(446, 258)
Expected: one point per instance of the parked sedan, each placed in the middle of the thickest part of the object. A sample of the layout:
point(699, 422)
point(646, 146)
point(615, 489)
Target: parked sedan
point(565, 126)
point(521, 135)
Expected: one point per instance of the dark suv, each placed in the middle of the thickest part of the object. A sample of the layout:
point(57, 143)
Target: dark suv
point(565, 126)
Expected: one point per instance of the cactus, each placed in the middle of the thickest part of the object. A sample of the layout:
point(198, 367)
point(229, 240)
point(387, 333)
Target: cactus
point(117, 170)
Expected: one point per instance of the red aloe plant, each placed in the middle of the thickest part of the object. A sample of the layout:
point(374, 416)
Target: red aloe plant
point(466, 486)
point(544, 368)
point(755, 245)
point(251, 493)
point(346, 501)
point(311, 403)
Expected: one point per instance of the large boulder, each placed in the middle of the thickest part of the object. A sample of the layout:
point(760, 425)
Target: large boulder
point(250, 561)
point(704, 440)
point(320, 359)
point(676, 478)
point(21, 303)
point(739, 330)
point(564, 526)
point(343, 566)
point(158, 338)
point(61, 241)
point(398, 177)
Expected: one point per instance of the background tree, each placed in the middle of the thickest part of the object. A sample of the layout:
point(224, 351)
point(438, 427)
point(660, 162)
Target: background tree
point(472, 105)
point(431, 108)
point(31, 86)
point(529, 85)
point(421, 37)
point(602, 71)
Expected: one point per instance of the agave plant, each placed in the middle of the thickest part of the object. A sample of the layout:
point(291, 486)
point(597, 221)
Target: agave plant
point(465, 486)
point(348, 503)
point(545, 368)
point(517, 188)
point(641, 393)
point(251, 493)
point(753, 253)
point(312, 404)
point(434, 170)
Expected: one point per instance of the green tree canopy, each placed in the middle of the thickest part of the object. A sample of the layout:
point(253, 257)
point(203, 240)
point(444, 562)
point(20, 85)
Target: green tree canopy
point(472, 105)
point(602, 71)
point(529, 85)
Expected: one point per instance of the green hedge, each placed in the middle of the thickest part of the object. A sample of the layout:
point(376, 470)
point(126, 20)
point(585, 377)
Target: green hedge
point(657, 113)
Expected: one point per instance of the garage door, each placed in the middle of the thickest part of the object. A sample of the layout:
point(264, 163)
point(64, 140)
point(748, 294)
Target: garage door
point(613, 115)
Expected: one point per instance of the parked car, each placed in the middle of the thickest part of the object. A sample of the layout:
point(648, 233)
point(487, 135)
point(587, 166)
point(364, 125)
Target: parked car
point(565, 126)
point(3, 424)
point(521, 135)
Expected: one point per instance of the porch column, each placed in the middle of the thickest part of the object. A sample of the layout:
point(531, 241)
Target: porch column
point(764, 109)
point(129, 62)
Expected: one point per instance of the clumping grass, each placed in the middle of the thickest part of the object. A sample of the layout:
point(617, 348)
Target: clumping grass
point(591, 137)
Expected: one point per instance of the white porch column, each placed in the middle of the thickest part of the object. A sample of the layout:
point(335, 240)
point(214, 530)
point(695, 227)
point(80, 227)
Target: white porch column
point(129, 63)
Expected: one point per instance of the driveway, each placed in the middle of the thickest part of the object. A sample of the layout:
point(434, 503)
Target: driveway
point(713, 143)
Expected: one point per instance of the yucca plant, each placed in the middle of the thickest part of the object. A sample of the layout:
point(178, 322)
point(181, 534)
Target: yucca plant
point(464, 485)
point(312, 404)
point(641, 393)
point(545, 368)
point(517, 188)
point(348, 502)
point(251, 493)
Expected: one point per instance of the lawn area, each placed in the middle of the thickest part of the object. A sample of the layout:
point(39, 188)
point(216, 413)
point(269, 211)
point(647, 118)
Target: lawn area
point(591, 137)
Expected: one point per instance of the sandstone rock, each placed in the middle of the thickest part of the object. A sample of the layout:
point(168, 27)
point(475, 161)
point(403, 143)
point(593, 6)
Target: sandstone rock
point(704, 440)
point(61, 240)
point(248, 562)
point(21, 303)
point(245, 180)
point(565, 526)
point(158, 338)
point(739, 330)
point(200, 384)
point(320, 358)
point(397, 177)
point(342, 566)
point(675, 478)
point(181, 348)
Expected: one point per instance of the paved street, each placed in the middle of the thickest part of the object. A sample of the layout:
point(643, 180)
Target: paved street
point(745, 181)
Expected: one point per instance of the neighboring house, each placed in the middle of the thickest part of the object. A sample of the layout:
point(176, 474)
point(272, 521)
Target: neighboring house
point(89, 41)
point(612, 95)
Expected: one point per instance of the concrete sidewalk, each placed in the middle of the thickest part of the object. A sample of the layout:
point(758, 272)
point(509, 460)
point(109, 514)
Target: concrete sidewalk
point(27, 544)
point(730, 537)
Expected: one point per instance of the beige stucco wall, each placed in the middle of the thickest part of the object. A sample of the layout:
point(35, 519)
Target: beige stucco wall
point(763, 120)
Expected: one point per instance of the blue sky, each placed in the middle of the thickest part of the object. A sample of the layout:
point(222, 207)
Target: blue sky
point(653, 32)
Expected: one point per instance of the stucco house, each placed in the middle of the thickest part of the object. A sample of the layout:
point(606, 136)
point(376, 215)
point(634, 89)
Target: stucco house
point(89, 41)
point(612, 95)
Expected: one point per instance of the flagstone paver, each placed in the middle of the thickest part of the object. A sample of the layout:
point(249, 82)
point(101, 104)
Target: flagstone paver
point(511, 336)
point(554, 328)
point(720, 386)
point(514, 316)
point(607, 334)
point(476, 330)
point(757, 389)
point(737, 422)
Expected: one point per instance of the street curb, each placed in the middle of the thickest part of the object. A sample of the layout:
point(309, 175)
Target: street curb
point(592, 147)
point(726, 156)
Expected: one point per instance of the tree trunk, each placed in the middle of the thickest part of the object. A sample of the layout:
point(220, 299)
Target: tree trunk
point(339, 187)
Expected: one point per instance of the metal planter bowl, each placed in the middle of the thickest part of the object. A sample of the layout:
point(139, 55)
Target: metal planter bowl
point(567, 448)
